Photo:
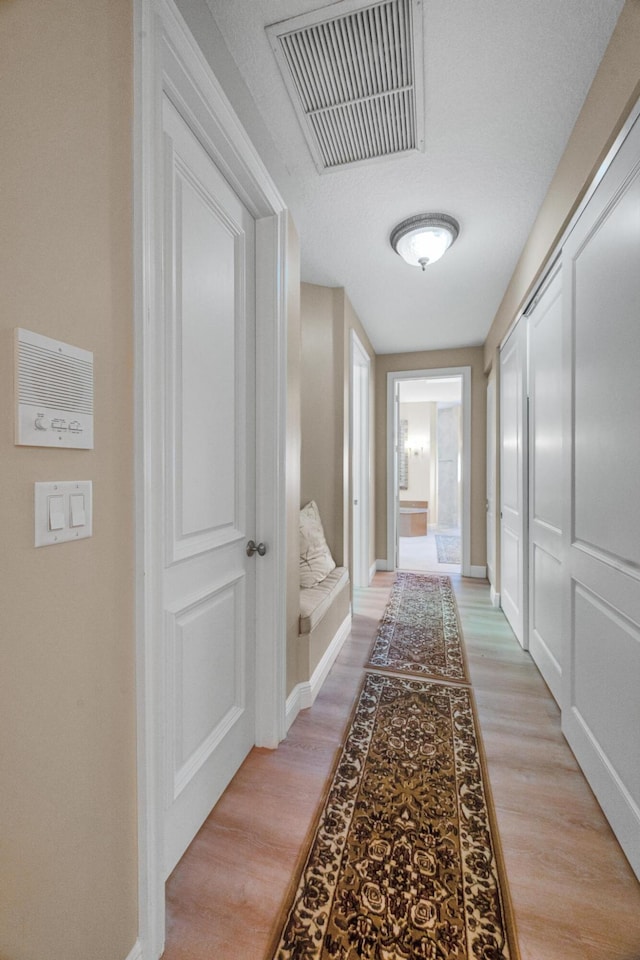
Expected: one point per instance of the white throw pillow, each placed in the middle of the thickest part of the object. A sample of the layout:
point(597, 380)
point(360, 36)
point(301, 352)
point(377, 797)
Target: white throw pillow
point(316, 561)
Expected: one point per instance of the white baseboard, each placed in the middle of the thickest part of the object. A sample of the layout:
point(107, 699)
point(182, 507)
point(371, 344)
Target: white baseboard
point(294, 704)
point(136, 952)
point(477, 572)
point(303, 694)
point(372, 570)
point(494, 597)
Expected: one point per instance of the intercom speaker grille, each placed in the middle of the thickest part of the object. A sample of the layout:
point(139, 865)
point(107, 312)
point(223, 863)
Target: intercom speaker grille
point(54, 393)
point(354, 74)
point(51, 379)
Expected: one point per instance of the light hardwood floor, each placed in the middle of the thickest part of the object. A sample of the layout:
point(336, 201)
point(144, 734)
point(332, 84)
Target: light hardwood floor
point(574, 894)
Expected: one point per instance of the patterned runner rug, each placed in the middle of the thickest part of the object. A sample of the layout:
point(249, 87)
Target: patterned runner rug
point(448, 548)
point(404, 861)
point(419, 632)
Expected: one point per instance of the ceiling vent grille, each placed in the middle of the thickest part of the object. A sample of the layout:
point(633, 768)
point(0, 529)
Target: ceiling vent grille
point(354, 74)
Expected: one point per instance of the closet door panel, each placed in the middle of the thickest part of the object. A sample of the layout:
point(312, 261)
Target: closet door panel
point(607, 382)
point(545, 483)
point(601, 706)
point(546, 617)
point(513, 488)
point(597, 671)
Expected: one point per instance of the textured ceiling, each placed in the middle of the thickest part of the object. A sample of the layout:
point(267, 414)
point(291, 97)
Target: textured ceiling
point(504, 83)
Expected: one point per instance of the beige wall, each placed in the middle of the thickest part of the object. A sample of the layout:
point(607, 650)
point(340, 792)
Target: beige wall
point(614, 92)
point(327, 319)
point(433, 360)
point(68, 871)
point(322, 378)
point(293, 453)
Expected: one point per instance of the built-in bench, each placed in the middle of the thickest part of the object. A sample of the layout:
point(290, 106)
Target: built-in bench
point(325, 611)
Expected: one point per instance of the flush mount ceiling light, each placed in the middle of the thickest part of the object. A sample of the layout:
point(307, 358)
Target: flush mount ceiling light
point(424, 239)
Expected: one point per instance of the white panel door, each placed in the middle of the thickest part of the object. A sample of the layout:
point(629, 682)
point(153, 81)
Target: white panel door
point(545, 484)
point(601, 688)
point(207, 396)
point(491, 481)
point(513, 516)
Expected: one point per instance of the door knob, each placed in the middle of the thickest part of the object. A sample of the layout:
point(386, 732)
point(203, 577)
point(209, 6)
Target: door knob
point(253, 547)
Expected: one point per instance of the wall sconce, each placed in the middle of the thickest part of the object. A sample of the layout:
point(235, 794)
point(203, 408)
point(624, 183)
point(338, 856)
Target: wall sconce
point(416, 447)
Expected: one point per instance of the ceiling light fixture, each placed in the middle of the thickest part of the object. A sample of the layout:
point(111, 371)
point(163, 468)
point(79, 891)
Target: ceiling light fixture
point(424, 239)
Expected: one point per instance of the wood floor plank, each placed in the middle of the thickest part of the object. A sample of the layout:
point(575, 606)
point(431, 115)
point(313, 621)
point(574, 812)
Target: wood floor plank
point(574, 894)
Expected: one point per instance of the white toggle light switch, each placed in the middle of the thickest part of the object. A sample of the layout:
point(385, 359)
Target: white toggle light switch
point(63, 511)
point(76, 510)
point(56, 513)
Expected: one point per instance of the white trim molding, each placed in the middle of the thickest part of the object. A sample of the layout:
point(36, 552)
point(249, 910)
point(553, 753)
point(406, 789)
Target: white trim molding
point(494, 596)
point(303, 694)
point(372, 570)
point(136, 952)
point(168, 61)
point(360, 417)
point(476, 571)
point(297, 701)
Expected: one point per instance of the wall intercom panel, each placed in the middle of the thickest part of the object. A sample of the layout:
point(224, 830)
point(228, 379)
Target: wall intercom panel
point(54, 393)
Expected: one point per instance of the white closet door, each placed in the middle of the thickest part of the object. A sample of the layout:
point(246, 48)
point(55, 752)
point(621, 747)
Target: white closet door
point(545, 484)
point(601, 688)
point(206, 395)
point(513, 497)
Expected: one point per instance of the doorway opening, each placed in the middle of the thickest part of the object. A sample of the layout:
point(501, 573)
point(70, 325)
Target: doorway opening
point(429, 491)
point(430, 475)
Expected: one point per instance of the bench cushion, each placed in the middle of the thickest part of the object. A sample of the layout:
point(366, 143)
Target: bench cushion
point(316, 561)
point(314, 601)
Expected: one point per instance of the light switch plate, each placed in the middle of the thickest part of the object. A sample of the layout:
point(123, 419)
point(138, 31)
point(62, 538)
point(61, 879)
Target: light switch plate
point(63, 489)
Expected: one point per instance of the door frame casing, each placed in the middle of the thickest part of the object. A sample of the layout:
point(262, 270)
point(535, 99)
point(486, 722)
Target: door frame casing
point(492, 488)
point(360, 358)
point(167, 60)
point(393, 377)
